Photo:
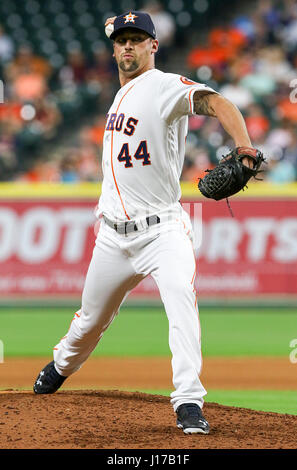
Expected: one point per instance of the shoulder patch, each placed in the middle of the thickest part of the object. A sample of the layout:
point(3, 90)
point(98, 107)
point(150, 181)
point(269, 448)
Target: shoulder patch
point(187, 81)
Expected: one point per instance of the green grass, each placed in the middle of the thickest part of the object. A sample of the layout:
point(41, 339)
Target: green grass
point(248, 332)
point(276, 401)
point(144, 332)
point(36, 333)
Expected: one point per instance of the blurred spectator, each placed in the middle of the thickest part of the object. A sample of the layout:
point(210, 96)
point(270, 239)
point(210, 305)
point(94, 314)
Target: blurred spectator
point(88, 163)
point(243, 64)
point(75, 69)
point(10, 111)
point(103, 71)
point(287, 109)
point(165, 28)
point(68, 168)
point(42, 170)
point(223, 45)
point(48, 116)
point(245, 24)
point(103, 67)
point(26, 61)
point(256, 122)
point(8, 162)
point(29, 86)
point(290, 153)
point(237, 94)
point(6, 46)
point(270, 15)
point(211, 56)
point(281, 172)
point(75, 163)
point(259, 84)
point(288, 32)
point(280, 138)
point(197, 161)
point(229, 38)
point(96, 131)
point(272, 61)
point(27, 75)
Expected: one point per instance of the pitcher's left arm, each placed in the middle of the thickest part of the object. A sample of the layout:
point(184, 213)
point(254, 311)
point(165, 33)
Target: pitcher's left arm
point(215, 105)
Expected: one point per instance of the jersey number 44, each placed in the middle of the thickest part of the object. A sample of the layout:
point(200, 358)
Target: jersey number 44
point(140, 154)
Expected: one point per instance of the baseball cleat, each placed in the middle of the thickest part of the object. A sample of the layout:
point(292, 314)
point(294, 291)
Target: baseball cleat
point(48, 380)
point(191, 420)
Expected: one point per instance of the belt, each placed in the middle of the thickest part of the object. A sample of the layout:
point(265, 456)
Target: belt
point(131, 226)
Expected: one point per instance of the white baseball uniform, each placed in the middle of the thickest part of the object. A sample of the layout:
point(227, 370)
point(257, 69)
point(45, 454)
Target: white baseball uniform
point(143, 155)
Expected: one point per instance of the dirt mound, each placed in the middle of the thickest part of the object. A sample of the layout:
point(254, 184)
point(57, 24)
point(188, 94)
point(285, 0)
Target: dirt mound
point(123, 420)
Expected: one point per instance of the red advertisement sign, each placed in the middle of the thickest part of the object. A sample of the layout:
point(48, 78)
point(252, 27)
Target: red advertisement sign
point(254, 252)
point(46, 247)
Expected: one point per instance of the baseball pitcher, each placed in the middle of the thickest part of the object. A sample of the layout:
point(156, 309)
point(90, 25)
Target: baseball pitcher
point(144, 230)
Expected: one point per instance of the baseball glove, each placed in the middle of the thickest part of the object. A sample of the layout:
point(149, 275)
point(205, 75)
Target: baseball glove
point(230, 175)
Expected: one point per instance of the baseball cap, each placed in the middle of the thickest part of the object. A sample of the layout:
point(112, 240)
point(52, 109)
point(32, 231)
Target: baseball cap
point(136, 20)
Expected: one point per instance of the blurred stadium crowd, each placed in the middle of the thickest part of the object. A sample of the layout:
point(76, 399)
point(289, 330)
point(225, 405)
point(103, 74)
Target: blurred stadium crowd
point(60, 78)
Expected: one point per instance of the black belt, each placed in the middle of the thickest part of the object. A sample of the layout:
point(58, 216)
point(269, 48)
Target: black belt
point(131, 226)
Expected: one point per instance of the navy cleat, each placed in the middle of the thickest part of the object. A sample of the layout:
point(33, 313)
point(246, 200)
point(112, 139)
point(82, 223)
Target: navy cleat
point(191, 420)
point(48, 380)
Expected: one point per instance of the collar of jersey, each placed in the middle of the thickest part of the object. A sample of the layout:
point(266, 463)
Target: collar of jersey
point(136, 79)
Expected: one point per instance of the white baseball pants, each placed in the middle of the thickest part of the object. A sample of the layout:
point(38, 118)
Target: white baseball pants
point(118, 264)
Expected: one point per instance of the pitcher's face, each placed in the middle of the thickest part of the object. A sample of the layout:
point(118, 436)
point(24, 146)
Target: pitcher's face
point(134, 51)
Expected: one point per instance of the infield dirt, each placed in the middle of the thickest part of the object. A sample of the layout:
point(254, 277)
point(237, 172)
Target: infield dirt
point(114, 419)
point(154, 373)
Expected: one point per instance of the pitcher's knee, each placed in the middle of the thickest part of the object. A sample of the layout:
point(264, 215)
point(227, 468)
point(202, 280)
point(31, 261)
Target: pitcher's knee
point(90, 324)
point(179, 293)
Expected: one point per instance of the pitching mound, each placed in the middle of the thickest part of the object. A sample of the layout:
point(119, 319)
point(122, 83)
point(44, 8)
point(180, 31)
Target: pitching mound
point(123, 420)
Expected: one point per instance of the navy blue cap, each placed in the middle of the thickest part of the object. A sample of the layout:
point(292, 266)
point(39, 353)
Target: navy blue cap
point(136, 20)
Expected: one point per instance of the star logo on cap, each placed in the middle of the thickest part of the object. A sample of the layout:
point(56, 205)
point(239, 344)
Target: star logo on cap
point(130, 18)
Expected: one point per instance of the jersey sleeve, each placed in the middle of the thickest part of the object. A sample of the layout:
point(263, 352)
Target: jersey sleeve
point(176, 96)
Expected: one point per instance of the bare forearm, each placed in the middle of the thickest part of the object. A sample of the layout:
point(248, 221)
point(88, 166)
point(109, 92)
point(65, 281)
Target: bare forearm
point(227, 113)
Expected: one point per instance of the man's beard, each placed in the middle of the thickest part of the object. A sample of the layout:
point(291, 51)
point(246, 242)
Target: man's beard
point(130, 67)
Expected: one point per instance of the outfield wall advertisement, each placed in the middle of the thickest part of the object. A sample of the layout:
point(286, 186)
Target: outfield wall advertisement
point(46, 245)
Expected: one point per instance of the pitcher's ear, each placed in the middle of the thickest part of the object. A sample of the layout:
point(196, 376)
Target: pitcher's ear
point(155, 45)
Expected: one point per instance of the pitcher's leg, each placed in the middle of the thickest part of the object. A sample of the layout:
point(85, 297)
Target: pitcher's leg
point(110, 277)
point(175, 277)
